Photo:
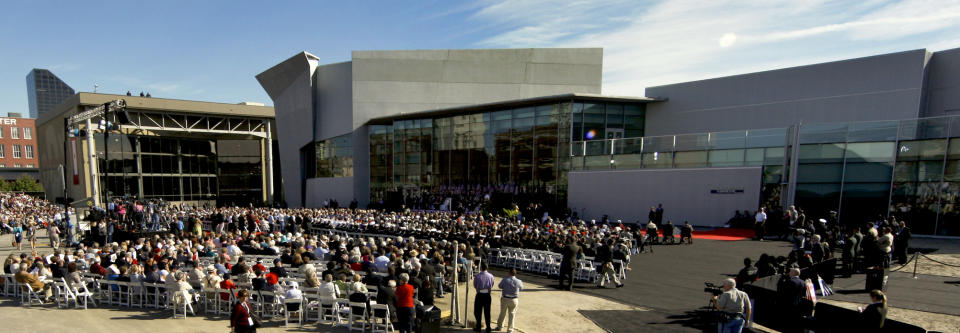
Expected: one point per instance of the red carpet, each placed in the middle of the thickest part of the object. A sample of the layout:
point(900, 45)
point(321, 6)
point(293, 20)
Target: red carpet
point(727, 234)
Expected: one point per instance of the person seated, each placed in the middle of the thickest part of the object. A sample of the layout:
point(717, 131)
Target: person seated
point(24, 277)
point(686, 233)
point(748, 273)
point(293, 293)
point(652, 235)
point(668, 233)
point(328, 289)
point(359, 295)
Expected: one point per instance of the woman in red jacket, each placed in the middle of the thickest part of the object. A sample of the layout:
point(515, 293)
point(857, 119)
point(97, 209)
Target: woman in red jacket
point(240, 319)
point(405, 305)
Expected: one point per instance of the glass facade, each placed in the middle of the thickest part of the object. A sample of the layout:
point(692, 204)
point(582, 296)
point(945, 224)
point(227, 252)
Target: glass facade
point(180, 169)
point(863, 171)
point(44, 91)
point(520, 150)
point(334, 157)
point(764, 148)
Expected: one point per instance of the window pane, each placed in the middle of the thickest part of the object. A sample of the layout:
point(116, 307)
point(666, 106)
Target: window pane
point(870, 152)
point(690, 159)
point(822, 153)
point(657, 160)
point(726, 158)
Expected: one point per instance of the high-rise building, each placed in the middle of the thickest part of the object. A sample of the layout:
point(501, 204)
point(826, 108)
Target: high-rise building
point(44, 91)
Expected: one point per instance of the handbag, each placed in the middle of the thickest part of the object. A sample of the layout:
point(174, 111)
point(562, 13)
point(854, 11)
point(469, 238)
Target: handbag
point(256, 321)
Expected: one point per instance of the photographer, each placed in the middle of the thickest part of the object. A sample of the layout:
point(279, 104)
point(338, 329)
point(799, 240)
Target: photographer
point(734, 307)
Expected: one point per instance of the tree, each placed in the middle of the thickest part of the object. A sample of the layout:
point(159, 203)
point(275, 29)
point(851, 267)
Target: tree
point(23, 184)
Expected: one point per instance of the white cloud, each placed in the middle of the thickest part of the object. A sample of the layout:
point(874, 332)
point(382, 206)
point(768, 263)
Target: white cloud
point(662, 42)
point(727, 39)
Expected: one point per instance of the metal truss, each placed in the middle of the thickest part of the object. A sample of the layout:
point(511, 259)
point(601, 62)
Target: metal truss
point(195, 123)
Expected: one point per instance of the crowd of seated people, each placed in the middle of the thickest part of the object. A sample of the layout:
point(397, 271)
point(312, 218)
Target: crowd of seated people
point(199, 248)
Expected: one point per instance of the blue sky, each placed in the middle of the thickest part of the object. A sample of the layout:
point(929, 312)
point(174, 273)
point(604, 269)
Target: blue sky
point(211, 50)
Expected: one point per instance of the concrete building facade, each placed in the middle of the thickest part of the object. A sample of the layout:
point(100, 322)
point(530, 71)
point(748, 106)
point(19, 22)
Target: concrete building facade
point(857, 139)
point(320, 102)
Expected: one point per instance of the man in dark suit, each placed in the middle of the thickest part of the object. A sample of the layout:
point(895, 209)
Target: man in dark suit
point(791, 291)
point(386, 295)
point(569, 263)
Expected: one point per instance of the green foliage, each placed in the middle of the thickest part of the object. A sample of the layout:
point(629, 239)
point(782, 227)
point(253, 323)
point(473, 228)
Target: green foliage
point(23, 184)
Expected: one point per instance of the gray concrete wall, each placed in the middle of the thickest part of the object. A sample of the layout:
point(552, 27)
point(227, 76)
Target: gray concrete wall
point(943, 84)
point(334, 100)
point(685, 194)
point(290, 85)
point(882, 87)
point(392, 82)
point(320, 189)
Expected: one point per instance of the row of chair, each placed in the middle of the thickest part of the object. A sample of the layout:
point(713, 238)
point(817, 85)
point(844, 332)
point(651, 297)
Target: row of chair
point(548, 263)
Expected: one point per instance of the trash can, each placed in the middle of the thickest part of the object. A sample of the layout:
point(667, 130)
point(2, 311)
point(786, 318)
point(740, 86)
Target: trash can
point(428, 319)
point(876, 279)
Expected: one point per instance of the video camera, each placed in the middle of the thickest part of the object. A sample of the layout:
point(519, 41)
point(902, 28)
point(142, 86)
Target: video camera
point(712, 289)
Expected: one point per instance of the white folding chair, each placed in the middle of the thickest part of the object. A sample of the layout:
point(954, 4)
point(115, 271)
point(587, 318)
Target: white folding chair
point(297, 304)
point(179, 301)
point(343, 312)
point(118, 293)
point(85, 294)
point(328, 310)
point(135, 294)
point(358, 316)
point(28, 297)
point(9, 285)
point(61, 295)
point(381, 318)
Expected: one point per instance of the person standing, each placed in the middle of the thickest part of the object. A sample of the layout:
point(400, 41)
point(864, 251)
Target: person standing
point(734, 306)
point(658, 214)
point(605, 258)
point(849, 252)
point(241, 320)
point(760, 223)
point(873, 316)
point(569, 263)
point(483, 281)
point(902, 242)
point(509, 299)
point(791, 292)
point(404, 303)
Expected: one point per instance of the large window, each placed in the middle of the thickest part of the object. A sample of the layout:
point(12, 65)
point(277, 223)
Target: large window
point(28, 149)
point(16, 151)
point(14, 133)
point(27, 133)
point(335, 157)
point(2, 152)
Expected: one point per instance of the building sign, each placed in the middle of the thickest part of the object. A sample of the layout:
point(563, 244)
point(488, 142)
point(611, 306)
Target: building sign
point(726, 191)
point(8, 121)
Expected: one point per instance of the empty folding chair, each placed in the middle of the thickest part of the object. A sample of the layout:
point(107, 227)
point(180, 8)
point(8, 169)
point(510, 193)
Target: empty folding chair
point(358, 316)
point(381, 318)
point(60, 294)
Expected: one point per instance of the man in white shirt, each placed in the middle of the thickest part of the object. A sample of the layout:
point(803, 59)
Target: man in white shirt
point(760, 224)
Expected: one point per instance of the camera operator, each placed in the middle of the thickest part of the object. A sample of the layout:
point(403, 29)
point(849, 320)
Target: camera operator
point(734, 307)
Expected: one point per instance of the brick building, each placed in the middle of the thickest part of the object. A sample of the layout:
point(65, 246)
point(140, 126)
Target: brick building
point(18, 147)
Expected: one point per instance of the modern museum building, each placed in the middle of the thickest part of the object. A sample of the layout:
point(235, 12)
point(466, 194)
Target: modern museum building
point(864, 138)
